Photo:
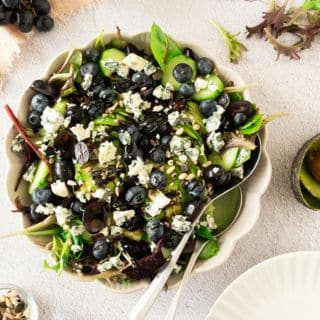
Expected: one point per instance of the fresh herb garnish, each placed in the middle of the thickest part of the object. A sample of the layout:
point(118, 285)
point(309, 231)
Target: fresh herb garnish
point(311, 4)
point(162, 47)
point(209, 250)
point(235, 47)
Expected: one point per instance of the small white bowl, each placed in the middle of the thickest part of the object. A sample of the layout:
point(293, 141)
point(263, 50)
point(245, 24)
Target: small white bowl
point(253, 189)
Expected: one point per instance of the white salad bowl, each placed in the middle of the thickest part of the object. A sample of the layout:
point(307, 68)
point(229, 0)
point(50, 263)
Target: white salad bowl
point(253, 188)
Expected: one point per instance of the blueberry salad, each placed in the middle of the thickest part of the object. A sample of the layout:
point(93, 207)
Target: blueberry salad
point(26, 14)
point(122, 145)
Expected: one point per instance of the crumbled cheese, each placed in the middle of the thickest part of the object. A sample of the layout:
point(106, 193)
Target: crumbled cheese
point(209, 223)
point(212, 86)
point(138, 168)
point(125, 137)
point(116, 231)
point(157, 108)
point(107, 152)
point(18, 144)
point(214, 121)
point(87, 81)
point(103, 194)
point(77, 230)
point(60, 189)
point(71, 183)
point(178, 145)
point(174, 118)
point(105, 231)
point(47, 209)
point(137, 63)
point(51, 120)
point(238, 172)
point(29, 175)
point(111, 64)
point(153, 246)
point(75, 248)
point(193, 154)
point(80, 132)
point(180, 224)
point(122, 70)
point(149, 68)
point(120, 217)
point(81, 196)
point(67, 121)
point(162, 92)
point(135, 104)
point(159, 202)
point(200, 84)
point(113, 262)
point(63, 215)
point(215, 141)
point(243, 155)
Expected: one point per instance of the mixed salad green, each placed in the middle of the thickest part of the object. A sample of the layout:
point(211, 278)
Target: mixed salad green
point(123, 145)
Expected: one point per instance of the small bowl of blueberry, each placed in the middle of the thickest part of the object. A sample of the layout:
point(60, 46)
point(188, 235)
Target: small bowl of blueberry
point(118, 145)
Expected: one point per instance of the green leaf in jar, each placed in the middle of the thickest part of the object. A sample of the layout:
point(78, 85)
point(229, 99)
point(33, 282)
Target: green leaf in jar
point(203, 233)
point(209, 250)
point(162, 47)
point(311, 4)
point(253, 125)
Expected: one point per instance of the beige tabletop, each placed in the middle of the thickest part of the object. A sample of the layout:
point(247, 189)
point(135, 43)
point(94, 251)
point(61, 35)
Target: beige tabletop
point(284, 86)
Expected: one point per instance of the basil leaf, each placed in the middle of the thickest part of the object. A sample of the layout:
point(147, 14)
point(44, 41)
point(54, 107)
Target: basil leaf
point(209, 250)
point(253, 125)
point(99, 43)
point(311, 4)
point(203, 233)
point(162, 47)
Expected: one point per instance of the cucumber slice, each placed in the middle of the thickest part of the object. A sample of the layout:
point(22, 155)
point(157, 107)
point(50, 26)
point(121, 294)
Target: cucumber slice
point(168, 77)
point(226, 160)
point(214, 89)
point(118, 44)
point(243, 156)
point(39, 180)
point(61, 107)
point(110, 54)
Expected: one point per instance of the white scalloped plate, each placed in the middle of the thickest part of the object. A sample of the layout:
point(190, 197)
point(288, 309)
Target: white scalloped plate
point(281, 288)
point(253, 189)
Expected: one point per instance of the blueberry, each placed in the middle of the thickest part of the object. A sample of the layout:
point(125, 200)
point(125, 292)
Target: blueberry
point(34, 120)
point(158, 179)
point(141, 79)
point(136, 195)
point(132, 128)
point(6, 17)
point(223, 100)
point(239, 119)
point(108, 95)
point(165, 140)
point(186, 90)
point(217, 175)
point(131, 152)
point(25, 20)
point(121, 85)
point(158, 155)
point(205, 66)
point(77, 207)
point(64, 170)
point(92, 54)
point(75, 113)
point(96, 109)
point(41, 7)
point(35, 216)
point(195, 188)
point(154, 229)
point(135, 223)
point(42, 196)
point(44, 23)
point(182, 72)
point(39, 102)
point(208, 107)
point(101, 248)
point(89, 68)
point(13, 4)
point(171, 239)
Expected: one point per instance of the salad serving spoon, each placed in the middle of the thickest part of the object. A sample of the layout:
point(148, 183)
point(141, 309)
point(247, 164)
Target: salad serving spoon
point(232, 214)
point(146, 301)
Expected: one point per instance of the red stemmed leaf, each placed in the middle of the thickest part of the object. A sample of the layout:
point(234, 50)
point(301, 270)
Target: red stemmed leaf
point(17, 124)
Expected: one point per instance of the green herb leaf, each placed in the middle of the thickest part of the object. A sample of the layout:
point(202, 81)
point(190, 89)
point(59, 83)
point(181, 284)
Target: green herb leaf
point(99, 43)
point(41, 233)
point(192, 133)
point(253, 125)
point(209, 250)
point(203, 233)
point(235, 47)
point(311, 4)
point(162, 47)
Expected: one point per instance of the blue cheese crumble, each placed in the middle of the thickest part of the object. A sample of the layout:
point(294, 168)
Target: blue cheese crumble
point(59, 188)
point(162, 93)
point(135, 104)
point(180, 224)
point(119, 217)
point(51, 120)
point(215, 141)
point(80, 132)
point(138, 168)
point(159, 202)
point(107, 153)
